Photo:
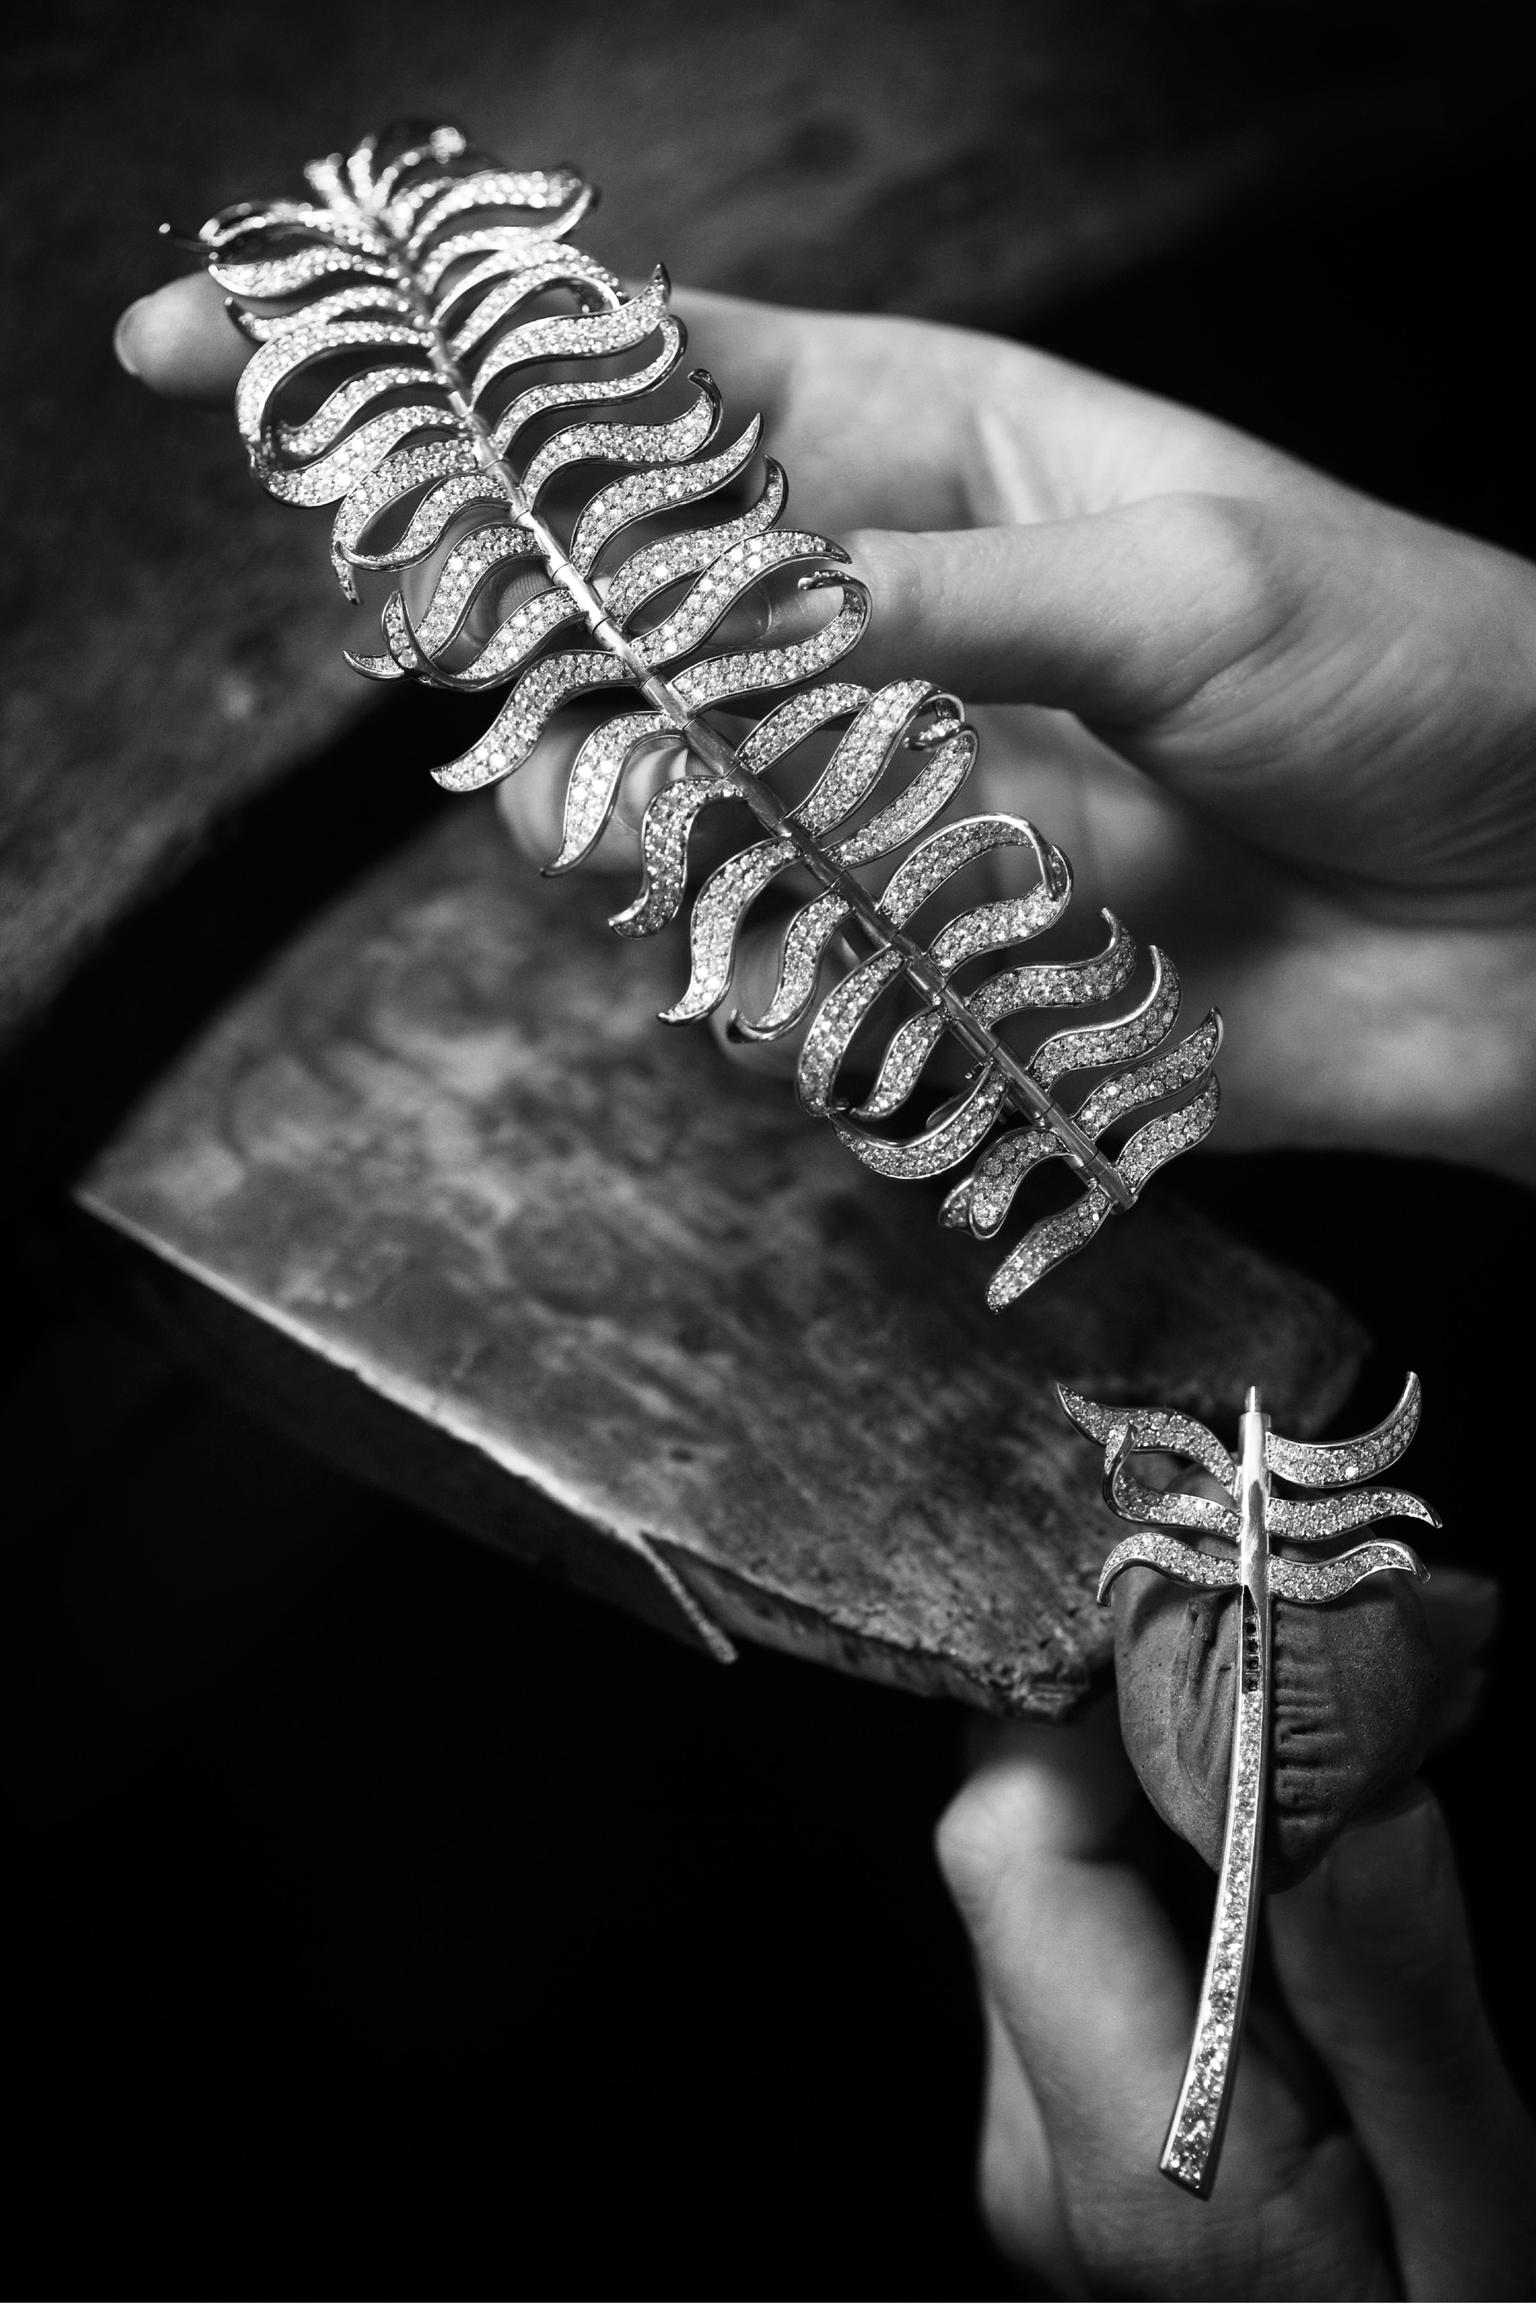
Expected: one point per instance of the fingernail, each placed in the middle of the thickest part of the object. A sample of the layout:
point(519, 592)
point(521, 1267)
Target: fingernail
point(123, 335)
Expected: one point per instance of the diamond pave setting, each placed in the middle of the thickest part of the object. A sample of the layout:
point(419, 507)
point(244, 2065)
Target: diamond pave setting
point(433, 358)
point(1246, 1522)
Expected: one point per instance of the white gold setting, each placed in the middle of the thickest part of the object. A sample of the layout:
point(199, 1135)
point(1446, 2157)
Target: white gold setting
point(1249, 1521)
point(430, 272)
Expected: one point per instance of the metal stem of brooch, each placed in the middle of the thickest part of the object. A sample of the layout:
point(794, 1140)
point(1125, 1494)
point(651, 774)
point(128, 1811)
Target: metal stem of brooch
point(1242, 1527)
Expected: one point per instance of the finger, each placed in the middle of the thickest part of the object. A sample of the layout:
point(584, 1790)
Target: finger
point(869, 415)
point(1023, 1851)
point(910, 425)
point(530, 802)
point(758, 352)
point(754, 979)
point(1461, 1615)
point(1374, 1957)
point(1016, 2175)
point(1196, 633)
point(1097, 1999)
point(181, 342)
point(1030, 1837)
point(1120, 616)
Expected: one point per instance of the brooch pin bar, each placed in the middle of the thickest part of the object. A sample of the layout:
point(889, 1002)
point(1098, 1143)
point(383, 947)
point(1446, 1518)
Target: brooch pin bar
point(1244, 1522)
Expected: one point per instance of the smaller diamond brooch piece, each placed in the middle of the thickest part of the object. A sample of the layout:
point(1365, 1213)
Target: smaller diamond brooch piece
point(1241, 1525)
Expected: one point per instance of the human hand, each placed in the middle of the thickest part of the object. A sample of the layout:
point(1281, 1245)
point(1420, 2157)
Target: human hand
point(1375, 2147)
point(1287, 731)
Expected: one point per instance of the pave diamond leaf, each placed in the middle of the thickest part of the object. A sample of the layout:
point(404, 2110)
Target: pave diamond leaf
point(434, 358)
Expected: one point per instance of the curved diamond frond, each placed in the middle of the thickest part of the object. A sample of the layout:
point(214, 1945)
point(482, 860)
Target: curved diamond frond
point(1155, 1431)
point(1317, 1519)
point(1205, 1571)
point(1334, 1463)
point(1314, 1583)
point(1166, 1507)
point(440, 364)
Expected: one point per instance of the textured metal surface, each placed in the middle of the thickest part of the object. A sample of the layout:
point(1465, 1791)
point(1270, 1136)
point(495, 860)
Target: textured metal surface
point(476, 1225)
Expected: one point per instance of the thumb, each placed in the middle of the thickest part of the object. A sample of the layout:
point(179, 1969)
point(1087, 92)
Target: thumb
point(180, 341)
point(1120, 617)
point(1373, 1954)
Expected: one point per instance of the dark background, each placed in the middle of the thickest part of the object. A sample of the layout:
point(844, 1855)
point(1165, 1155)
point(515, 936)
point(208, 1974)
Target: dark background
point(382, 1920)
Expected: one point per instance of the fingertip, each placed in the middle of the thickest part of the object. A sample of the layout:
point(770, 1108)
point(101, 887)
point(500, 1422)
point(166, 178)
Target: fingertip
point(1037, 1791)
point(179, 342)
point(525, 805)
point(767, 1059)
point(125, 339)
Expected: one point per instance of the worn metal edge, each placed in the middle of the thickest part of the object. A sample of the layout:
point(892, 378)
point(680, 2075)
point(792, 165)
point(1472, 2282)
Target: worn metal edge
point(674, 1606)
point(755, 1613)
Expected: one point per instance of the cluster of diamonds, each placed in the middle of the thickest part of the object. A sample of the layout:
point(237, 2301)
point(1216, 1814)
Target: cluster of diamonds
point(1196, 2127)
point(1328, 1464)
point(1246, 1563)
point(435, 275)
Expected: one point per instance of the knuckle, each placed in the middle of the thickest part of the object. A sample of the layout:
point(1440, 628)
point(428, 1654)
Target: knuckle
point(1230, 583)
point(976, 1843)
point(1234, 547)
